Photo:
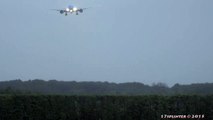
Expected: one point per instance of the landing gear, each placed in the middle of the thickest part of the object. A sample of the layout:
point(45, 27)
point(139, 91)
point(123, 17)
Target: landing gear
point(65, 14)
point(76, 13)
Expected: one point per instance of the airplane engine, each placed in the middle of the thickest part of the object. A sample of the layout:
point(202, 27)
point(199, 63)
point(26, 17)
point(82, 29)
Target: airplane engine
point(81, 10)
point(61, 11)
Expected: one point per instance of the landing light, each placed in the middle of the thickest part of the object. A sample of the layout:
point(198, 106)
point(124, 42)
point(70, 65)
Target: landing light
point(67, 9)
point(75, 9)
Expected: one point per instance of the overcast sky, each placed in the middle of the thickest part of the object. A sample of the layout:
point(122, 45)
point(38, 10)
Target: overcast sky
point(146, 41)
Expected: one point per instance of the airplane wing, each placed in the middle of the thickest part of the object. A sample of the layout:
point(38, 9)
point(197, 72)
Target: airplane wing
point(56, 9)
point(81, 10)
point(85, 8)
point(61, 11)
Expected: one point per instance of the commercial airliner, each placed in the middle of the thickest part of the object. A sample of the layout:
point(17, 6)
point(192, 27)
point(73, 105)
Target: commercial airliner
point(71, 9)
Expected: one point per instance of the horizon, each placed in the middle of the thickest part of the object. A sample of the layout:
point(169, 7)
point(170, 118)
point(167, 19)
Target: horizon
point(153, 84)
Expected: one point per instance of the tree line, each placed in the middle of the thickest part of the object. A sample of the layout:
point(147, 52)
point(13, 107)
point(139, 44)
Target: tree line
point(54, 87)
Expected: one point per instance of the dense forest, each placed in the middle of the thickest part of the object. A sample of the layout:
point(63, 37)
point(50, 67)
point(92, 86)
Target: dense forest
point(53, 107)
point(59, 100)
point(54, 87)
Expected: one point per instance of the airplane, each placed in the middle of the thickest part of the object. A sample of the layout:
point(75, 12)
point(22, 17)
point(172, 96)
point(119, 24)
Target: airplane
point(71, 9)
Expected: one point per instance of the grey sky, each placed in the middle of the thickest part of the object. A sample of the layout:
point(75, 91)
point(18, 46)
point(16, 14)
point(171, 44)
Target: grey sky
point(145, 41)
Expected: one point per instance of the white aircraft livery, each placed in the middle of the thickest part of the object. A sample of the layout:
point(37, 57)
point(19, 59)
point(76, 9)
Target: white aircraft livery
point(71, 9)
